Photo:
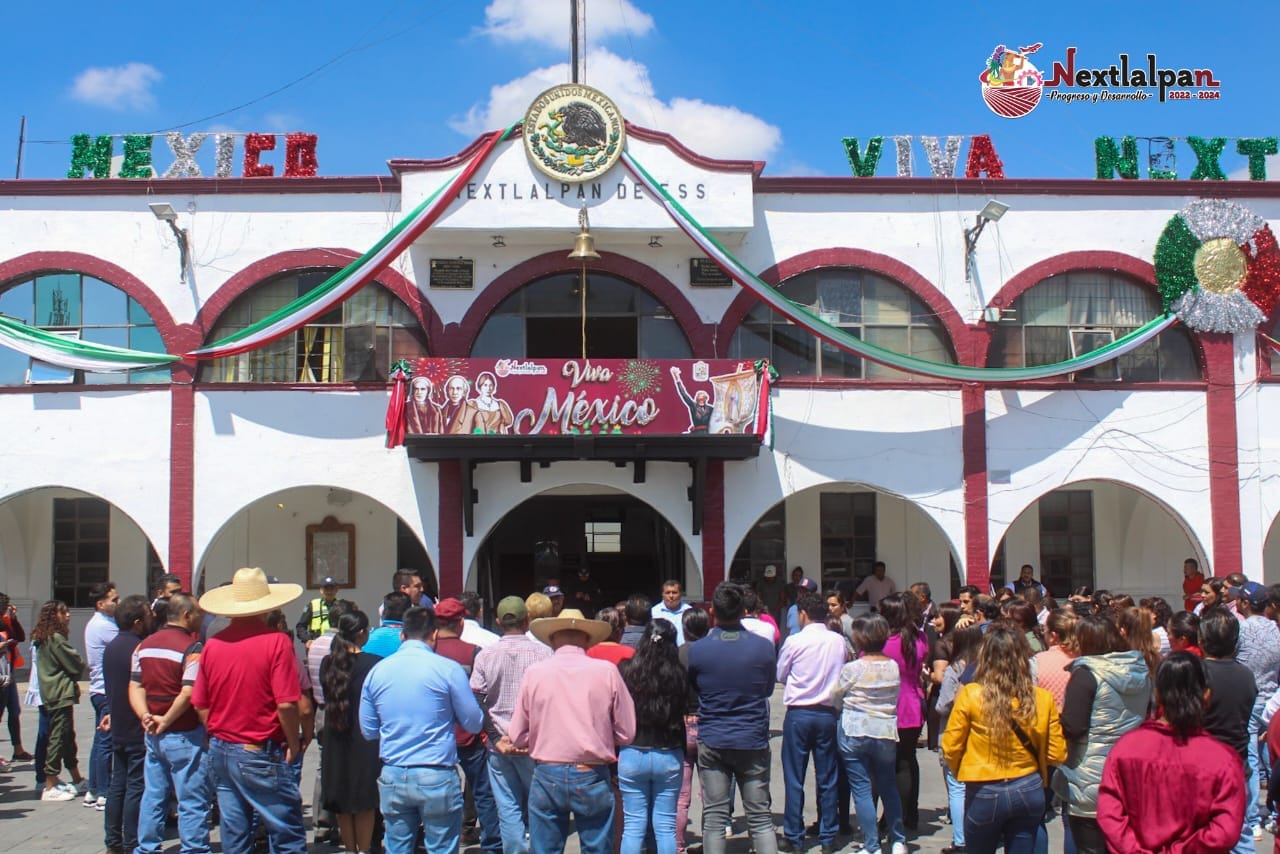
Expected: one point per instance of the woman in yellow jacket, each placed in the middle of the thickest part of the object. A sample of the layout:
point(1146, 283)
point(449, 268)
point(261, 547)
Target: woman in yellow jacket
point(1002, 736)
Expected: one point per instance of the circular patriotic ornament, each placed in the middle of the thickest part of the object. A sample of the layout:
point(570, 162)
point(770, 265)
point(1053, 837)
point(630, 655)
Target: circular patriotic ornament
point(1218, 267)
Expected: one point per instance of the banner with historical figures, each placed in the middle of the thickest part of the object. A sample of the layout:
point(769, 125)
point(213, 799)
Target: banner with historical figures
point(552, 397)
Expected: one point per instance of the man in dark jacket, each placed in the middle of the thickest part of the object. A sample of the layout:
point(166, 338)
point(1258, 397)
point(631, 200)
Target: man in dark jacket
point(128, 752)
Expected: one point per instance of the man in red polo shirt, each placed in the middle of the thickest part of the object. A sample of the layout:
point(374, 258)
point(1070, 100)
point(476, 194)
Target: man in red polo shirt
point(247, 694)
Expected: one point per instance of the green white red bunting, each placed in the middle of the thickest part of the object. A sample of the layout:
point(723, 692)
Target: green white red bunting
point(87, 356)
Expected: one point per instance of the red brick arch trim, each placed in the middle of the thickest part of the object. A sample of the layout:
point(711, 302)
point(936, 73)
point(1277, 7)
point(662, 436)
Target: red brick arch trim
point(699, 334)
point(34, 263)
point(842, 256)
point(1071, 262)
point(293, 260)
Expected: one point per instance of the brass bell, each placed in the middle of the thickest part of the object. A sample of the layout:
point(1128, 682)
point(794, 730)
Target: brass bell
point(584, 245)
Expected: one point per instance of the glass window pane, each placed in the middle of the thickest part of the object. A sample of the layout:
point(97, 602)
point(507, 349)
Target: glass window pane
point(837, 364)
point(1044, 305)
point(359, 354)
point(1177, 357)
point(138, 314)
point(104, 305)
point(1089, 298)
point(501, 335)
point(1132, 305)
point(407, 342)
point(362, 307)
point(890, 338)
point(930, 342)
point(794, 352)
point(840, 299)
point(802, 290)
point(146, 339)
point(751, 341)
point(1046, 345)
point(17, 302)
point(556, 295)
point(662, 338)
point(885, 302)
point(607, 295)
point(13, 367)
point(58, 300)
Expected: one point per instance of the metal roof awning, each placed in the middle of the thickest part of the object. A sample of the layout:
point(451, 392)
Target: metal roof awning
point(470, 450)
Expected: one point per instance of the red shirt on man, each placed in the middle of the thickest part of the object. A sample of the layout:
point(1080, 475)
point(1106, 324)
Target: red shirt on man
point(246, 671)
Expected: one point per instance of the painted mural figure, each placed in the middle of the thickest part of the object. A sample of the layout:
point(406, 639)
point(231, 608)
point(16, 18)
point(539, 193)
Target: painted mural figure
point(699, 405)
point(422, 415)
point(492, 414)
point(457, 413)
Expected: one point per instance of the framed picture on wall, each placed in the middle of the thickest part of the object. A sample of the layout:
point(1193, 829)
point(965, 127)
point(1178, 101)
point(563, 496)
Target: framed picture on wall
point(331, 552)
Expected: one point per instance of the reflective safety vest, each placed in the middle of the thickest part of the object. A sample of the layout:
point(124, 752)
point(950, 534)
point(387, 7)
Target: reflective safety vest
point(319, 617)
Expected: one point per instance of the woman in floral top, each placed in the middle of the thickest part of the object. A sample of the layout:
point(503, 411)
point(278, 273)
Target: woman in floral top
point(867, 693)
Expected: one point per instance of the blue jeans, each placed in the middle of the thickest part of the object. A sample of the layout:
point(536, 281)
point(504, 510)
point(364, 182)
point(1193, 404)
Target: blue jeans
point(510, 778)
point(124, 796)
point(560, 790)
point(868, 762)
point(255, 778)
point(100, 752)
point(429, 797)
point(475, 766)
point(809, 731)
point(955, 802)
point(650, 782)
point(42, 746)
point(718, 768)
point(177, 767)
point(1009, 812)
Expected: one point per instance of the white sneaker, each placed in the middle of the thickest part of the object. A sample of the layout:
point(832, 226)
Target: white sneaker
point(1257, 833)
point(67, 787)
point(90, 800)
point(899, 848)
point(56, 794)
point(101, 804)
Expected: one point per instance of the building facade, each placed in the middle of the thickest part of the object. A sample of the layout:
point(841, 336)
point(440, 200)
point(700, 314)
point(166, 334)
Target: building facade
point(1108, 477)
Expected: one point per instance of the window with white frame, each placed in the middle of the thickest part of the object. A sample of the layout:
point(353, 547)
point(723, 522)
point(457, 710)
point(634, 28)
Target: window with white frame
point(355, 342)
point(1072, 314)
point(865, 304)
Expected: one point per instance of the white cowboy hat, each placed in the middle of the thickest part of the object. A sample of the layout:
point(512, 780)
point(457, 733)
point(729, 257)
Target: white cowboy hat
point(248, 594)
point(570, 618)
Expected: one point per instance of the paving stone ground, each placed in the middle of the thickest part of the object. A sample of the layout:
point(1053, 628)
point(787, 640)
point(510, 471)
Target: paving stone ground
point(27, 824)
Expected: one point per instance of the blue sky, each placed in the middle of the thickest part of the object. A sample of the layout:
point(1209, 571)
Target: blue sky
point(777, 81)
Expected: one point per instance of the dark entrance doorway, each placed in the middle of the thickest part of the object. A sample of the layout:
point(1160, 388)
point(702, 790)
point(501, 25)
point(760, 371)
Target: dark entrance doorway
point(628, 545)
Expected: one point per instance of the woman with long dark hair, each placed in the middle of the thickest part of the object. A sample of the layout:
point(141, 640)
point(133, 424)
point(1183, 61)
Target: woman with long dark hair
point(1107, 696)
point(349, 775)
point(651, 768)
point(907, 647)
point(1136, 629)
point(1212, 592)
point(1023, 614)
point(1002, 736)
point(60, 668)
point(1168, 785)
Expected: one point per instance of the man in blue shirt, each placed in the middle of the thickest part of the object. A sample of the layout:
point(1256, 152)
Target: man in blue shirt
point(411, 701)
point(803, 585)
point(385, 639)
point(732, 672)
point(672, 608)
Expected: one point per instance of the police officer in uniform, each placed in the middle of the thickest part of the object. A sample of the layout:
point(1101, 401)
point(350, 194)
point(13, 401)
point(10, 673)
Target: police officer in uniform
point(315, 620)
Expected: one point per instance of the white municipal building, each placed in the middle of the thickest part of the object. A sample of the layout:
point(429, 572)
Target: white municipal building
point(1108, 477)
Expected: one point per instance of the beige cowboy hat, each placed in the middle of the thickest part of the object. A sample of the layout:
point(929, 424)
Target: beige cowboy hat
point(570, 618)
point(248, 594)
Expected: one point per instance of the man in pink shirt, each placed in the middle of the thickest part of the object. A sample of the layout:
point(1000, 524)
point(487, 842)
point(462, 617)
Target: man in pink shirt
point(572, 714)
point(809, 665)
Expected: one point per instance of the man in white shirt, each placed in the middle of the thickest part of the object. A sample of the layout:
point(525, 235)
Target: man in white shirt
point(751, 605)
point(875, 586)
point(809, 664)
point(472, 632)
point(672, 608)
point(99, 632)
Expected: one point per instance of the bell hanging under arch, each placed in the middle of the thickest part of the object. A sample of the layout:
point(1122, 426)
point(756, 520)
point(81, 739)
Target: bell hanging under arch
point(584, 245)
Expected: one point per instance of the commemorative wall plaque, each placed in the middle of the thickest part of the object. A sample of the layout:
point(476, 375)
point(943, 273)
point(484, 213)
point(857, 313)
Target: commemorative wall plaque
point(452, 273)
point(573, 133)
point(705, 273)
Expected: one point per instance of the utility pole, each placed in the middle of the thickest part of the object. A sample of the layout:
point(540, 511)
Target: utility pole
point(22, 140)
point(573, 38)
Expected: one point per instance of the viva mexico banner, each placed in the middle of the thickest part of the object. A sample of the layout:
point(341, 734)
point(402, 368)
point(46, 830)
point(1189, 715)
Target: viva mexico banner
point(550, 397)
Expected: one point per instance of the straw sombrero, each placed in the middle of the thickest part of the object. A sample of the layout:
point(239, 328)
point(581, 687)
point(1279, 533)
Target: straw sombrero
point(570, 618)
point(248, 594)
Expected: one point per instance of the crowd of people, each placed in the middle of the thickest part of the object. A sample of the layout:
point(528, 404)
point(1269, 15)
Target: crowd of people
point(1143, 728)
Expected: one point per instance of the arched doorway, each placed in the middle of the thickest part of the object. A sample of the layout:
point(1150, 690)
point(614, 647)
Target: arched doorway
point(1101, 534)
point(628, 546)
point(273, 532)
point(57, 542)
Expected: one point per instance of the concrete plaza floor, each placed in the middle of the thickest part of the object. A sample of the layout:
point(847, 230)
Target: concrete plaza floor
point(27, 824)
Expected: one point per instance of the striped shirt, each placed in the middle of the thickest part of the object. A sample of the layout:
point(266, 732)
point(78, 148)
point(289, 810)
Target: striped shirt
point(163, 664)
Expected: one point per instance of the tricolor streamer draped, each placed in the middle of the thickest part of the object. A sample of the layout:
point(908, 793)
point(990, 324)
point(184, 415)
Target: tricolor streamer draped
point(838, 337)
point(75, 354)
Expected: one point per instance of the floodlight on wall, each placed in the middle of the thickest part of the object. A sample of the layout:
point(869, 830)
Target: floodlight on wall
point(655, 242)
point(164, 212)
point(499, 241)
point(992, 211)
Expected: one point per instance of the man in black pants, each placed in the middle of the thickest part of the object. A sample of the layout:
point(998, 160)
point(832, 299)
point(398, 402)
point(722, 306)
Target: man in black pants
point(128, 751)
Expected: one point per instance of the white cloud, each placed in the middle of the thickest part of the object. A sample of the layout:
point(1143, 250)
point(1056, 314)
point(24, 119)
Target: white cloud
point(282, 122)
point(547, 21)
point(123, 87)
point(710, 129)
